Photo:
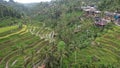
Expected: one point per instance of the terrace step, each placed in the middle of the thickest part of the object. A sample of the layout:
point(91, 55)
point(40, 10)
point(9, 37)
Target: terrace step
point(22, 30)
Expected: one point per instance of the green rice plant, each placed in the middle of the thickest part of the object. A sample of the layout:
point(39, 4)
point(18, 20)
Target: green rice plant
point(8, 28)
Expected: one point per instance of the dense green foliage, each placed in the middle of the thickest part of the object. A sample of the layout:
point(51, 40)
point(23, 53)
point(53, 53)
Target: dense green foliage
point(111, 5)
point(6, 11)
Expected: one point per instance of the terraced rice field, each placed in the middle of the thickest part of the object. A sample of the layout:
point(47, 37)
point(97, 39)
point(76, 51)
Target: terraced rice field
point(30, 47)
point(9, 29)
point(104, 50)
point(4, 29)
point(24, 48)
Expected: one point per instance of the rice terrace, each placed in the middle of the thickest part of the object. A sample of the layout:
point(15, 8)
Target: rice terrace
point(60, 34)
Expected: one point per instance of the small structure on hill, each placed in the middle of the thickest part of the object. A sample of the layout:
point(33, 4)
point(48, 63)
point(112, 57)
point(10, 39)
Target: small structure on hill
point(117, 19)
point(100, 22)
point(116, 16)
point(97, 13)
point(109, 15)
point(91, 10)
point(88, 9)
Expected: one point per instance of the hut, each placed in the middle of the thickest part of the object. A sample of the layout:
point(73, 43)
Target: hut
point(97, 13)
point(116, 16)
point(89, 10)
point(100, 22)
point(109, 15)
point(117, 20)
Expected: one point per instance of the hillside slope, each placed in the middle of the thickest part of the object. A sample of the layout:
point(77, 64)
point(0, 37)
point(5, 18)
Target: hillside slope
point(103, 52)
point(58, 36)
point(111, 5)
